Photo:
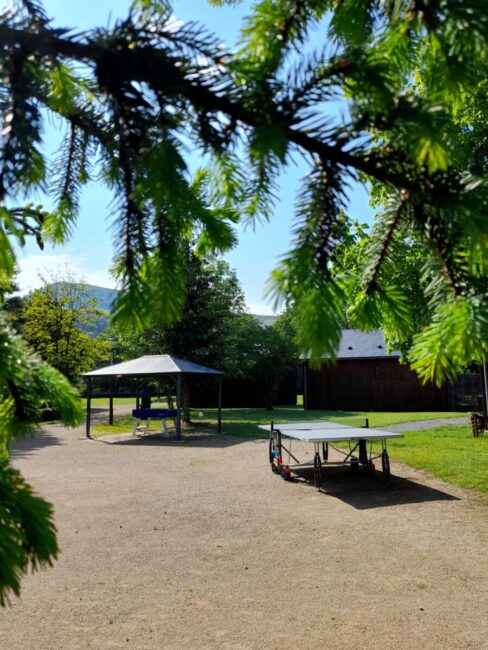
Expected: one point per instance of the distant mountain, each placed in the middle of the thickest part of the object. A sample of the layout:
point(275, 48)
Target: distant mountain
point(105, 298)
point(102, 295)
point(265, 320)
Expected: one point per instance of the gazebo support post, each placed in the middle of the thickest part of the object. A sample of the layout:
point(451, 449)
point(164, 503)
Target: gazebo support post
point(88, 407)
point(137, 394)
point(219, 405)
point(179, 379)
point(111, 401)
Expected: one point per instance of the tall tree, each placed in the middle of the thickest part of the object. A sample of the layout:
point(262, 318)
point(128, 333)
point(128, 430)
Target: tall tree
point(212, 300)
point(259, 354)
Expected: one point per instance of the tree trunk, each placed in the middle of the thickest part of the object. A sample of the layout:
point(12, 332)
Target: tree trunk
point(186, 402)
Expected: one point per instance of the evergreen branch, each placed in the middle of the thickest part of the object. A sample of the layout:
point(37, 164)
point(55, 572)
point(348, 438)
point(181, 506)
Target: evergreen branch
point(294, 13)
point(27, 533)
point(191, 37)
point(35, 11)
point(69, 163)
point(19, 218)
point(146, 65)
point(11, 118)
point(436, 237)
point(301, 95)
point(392, 227)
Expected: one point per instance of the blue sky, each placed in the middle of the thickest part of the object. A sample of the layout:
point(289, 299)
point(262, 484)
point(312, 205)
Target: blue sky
point(89, 252)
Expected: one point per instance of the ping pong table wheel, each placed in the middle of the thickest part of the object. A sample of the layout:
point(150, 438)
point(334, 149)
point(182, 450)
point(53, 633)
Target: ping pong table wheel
point(385, 464)
point(354, 465)
point(285, 472)
point(317, 470)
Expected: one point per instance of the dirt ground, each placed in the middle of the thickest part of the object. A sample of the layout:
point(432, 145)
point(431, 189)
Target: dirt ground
point(198, 545)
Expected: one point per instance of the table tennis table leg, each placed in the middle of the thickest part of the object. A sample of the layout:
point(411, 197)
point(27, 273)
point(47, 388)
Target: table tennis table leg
point(385, 461)
point(363, 453)
point(317, 467)
point(325, 451)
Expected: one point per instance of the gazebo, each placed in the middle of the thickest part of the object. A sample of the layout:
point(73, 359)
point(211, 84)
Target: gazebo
point(156, 365)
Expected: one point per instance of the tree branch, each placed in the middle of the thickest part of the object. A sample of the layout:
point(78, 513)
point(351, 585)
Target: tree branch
point(146, 64)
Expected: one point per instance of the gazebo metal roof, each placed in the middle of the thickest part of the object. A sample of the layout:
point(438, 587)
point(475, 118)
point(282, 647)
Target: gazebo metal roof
point(153, 365)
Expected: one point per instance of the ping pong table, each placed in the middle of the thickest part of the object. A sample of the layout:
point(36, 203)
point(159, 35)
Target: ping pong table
point(357, 454)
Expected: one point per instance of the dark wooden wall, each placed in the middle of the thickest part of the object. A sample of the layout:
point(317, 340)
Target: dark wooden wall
point(245, 393)
point(466, 393)
point(376, 385)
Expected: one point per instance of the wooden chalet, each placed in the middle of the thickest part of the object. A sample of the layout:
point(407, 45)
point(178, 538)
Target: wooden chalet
point(367, 377)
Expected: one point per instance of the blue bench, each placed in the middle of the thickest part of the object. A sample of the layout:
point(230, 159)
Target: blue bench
point(148, 414)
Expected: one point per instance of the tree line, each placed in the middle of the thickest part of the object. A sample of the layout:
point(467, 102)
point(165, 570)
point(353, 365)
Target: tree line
point(59, 321)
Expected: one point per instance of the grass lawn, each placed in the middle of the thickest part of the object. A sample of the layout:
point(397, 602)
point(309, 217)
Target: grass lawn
point(103, 401)
point(244, 422)
point(449, 452)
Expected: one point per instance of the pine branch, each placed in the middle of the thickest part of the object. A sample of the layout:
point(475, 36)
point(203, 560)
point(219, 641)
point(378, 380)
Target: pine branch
point(68, 173)
point(154, 68)
point(392, 227)
point(11, 118)
point(20, 219)
point(298, 7)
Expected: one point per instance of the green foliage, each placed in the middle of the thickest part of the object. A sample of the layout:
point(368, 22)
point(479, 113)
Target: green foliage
point(459, 331)
point(406, 74)
point(214, 329)
point(56, 321)
point(26, 386)
point(258, 353)
point(27, 532)
point(212, 299)
point(412, 80)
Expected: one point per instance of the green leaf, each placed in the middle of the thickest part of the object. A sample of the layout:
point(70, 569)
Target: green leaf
point(27, 532)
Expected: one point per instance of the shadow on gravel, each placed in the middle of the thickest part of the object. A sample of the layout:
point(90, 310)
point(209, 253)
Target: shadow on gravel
point(23, 447)
point(364, 491)
point(214, 440)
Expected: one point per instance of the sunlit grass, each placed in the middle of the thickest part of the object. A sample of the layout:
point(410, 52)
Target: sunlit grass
point(449, 452)
point(245, 421)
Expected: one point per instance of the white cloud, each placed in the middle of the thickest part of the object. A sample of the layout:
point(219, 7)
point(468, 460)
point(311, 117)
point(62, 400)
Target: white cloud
point(34, 267)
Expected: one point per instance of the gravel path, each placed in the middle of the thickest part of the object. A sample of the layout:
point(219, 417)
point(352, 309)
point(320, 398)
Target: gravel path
point(199, 545)
point(421, 425)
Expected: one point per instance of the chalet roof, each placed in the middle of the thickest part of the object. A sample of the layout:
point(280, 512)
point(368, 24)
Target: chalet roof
point(153, 365)
point(355, 344)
